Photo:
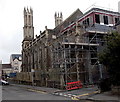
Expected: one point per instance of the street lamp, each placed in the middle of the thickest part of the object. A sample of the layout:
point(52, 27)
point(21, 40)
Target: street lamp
point(32, 78)
point(100, 69)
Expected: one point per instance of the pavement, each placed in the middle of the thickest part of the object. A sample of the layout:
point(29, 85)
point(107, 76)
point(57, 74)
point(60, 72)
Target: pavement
point(90, 93)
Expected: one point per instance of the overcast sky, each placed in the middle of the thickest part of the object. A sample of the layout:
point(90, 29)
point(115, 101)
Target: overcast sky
point(11, 19)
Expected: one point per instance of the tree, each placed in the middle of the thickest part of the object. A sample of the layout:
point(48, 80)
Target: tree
point(110, 57)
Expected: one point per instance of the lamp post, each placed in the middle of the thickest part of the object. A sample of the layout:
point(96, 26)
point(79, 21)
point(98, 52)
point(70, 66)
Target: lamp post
point(100, 69)
point(32, 78)
point(61, 75)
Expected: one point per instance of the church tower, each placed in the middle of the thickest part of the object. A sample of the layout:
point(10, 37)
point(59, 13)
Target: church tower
point(28, 24)
point(58, 19)
point(28, 35)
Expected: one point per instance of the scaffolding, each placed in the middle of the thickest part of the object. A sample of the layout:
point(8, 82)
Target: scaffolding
point(71, 57)
point(78, 60)
point(69, 52)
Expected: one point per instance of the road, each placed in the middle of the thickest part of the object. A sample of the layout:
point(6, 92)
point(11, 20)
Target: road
point(19, 93)
point(26, 92)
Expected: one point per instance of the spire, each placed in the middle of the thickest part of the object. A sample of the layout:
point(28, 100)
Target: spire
point(55, 15)
point(31, 11)
point(27, 10)
point(24, 11)
point(61, 14)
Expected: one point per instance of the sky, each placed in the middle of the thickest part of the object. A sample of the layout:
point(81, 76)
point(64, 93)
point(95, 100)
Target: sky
point(11, 19)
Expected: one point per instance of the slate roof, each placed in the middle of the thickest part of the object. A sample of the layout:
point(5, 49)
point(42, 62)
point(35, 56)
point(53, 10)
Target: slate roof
point(72, 18)
point(16, 56)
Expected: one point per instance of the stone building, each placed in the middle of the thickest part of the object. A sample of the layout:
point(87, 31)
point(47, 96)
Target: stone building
point(69, 52)
point(6, 70)
point(16, 62)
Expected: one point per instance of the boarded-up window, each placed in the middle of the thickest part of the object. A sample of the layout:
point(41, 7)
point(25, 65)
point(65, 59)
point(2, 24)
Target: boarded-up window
point(116, 20)
point(110, 19)
point(97, 18)
point(86, 22)
point(105, 19)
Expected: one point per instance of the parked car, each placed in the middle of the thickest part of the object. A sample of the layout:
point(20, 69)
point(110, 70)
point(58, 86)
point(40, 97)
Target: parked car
point(4, 82)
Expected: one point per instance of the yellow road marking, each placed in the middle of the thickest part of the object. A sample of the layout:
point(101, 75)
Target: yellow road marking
point(74, 98)
point(37, 91)
point(82, 95)
point(77, 97)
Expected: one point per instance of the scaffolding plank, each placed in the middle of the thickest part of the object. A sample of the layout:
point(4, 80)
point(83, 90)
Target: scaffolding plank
point(85, 44)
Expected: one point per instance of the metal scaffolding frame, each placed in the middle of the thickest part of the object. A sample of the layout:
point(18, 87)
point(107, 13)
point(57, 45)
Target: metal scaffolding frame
point(77, 61)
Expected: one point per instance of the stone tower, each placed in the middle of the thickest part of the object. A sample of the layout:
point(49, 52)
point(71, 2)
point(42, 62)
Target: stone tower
point(28, 35)
point(28, 24)
point(58, 19)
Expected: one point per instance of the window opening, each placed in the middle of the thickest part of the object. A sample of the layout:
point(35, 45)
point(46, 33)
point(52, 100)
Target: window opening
point(116, 20)
point(97, 18)
point(105, 19)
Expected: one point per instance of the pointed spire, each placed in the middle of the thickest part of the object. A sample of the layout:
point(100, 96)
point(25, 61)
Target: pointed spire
point(24, 11)
point(45, 27)
point(27, 10)
point(31, 11)
point(61, 14)
point(55, 14)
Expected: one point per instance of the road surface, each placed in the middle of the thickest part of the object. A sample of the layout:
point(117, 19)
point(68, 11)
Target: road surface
point(19, 93)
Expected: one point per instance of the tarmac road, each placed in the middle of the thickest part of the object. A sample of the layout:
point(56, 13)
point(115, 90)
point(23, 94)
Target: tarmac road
point(19, 93)
point(27, 92)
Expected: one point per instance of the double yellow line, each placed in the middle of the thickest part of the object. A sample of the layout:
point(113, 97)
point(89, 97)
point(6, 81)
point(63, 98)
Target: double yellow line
point(73, 98)
point(86, 94)
point(36, 91)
